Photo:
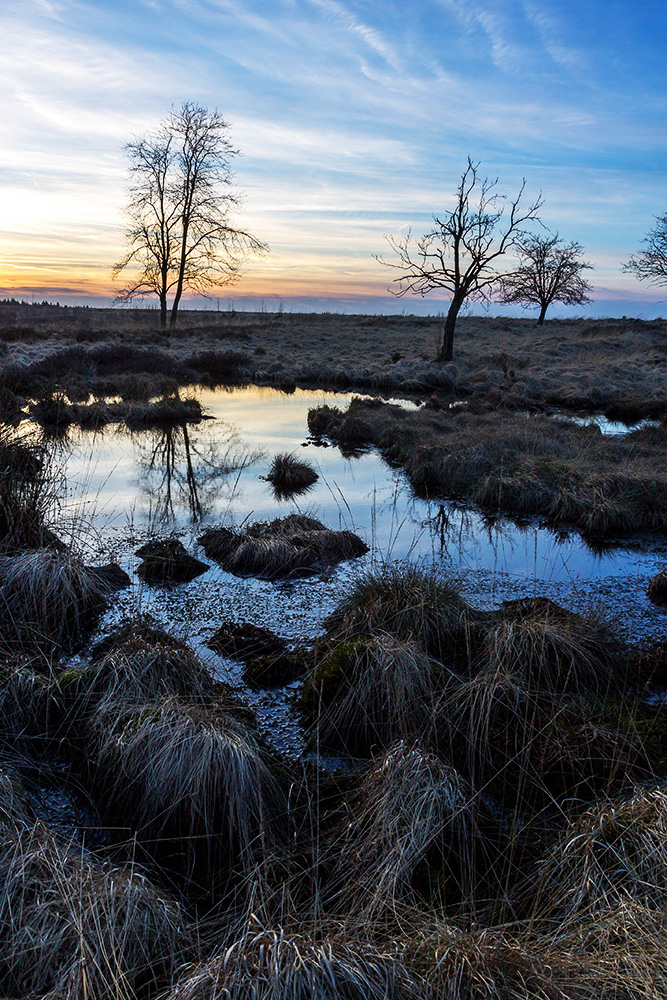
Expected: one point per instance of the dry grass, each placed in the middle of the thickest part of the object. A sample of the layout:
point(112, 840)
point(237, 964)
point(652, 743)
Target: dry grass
point(413, 604)
point(193, 775)
point(524, 465)
point(74, 927)
point(27, 494)
point(292, 546)
point(291, 476)
point(371, 691)
point(486, 964)
point(136, 664)
point(47, 599)
point(580, 364)
point(267, 964)
point(414, 818)
point(613, 855)
point(555, 650)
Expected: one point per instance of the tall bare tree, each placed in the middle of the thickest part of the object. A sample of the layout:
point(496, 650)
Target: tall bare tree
point(180, 233)
point(549, 270)
point(650, 264)
point(461, 252)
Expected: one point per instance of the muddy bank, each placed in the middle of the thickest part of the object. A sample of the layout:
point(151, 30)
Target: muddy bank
point(614, 366)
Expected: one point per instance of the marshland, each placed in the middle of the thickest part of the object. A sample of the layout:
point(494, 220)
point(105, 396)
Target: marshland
point(327, 669)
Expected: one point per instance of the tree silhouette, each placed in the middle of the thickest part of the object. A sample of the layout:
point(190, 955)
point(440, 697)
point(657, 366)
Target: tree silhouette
point(550, 270)
point(650, 264)
point(180, 234)
point(461, 252)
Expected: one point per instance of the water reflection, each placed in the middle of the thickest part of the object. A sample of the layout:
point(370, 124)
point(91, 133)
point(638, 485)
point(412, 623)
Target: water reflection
point(187, 468)
point(215, 472)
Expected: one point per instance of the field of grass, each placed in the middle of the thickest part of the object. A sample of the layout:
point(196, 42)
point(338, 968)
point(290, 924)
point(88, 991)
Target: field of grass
point(615, 366)
point(493, 824)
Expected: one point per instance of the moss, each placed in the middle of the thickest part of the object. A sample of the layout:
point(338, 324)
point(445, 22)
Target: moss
point(330, 675)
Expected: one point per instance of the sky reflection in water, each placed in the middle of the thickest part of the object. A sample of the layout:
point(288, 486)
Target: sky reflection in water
point(163, 481)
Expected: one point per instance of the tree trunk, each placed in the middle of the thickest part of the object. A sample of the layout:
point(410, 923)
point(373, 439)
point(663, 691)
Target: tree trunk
point(446, 352)
point(163, 310)
point(174, 309)
point(543, 310)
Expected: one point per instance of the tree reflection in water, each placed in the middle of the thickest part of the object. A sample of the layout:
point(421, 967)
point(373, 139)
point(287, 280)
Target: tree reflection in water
point(183, 467)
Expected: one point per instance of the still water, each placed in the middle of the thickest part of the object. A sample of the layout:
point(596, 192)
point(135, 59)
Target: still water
point(122, 487)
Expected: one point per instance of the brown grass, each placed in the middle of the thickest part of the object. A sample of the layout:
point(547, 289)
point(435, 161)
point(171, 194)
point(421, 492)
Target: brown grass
point(273, 964)
point(525, 465)
point(292, 546)
point(74, 927)
point(47, 599)
point(193, 776)
point(370, 692)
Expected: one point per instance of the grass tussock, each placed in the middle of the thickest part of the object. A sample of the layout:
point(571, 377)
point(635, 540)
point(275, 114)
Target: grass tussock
point(291, 476)
point(29, 706)
point(371, 692)
point(486, 964)
point(136, 664)
point(613, 855)
point(71, 926)
point(266, 964)
point(553, 649)
point(411, 603)
point(47, 599)
point(287, 547)
point(193, 776)
point(413, 828)
point(528, 747)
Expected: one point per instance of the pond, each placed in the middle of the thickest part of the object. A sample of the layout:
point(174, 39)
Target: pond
point(123, 487)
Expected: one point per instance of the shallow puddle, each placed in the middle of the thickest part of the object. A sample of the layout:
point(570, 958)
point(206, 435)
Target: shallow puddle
point(123, 487)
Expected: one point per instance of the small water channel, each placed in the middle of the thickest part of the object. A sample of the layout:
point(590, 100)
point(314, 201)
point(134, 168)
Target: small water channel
point(123, 487)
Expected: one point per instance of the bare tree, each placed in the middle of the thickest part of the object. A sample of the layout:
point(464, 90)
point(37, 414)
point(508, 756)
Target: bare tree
point(180, 234)
point(550, 270)
point(650, 264)
point(461, 252)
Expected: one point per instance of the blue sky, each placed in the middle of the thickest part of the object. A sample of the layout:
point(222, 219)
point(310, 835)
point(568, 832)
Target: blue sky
point(354, 119)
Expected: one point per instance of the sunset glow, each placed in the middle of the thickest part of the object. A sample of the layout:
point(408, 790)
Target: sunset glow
point(353, 119)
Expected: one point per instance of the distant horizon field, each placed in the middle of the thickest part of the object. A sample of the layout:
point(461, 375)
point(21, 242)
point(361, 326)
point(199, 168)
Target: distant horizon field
point(610, 308)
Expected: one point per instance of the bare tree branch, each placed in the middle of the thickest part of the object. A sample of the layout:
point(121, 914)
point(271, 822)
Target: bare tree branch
point(650, 264)
point(459, 254)
point(549, 270)
point(180, 233)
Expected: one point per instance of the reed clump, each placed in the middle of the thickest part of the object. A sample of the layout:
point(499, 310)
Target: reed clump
point(613, 855)
point(27, 495)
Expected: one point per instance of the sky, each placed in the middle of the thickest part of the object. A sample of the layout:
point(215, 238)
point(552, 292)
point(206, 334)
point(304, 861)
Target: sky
point(354, 119)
